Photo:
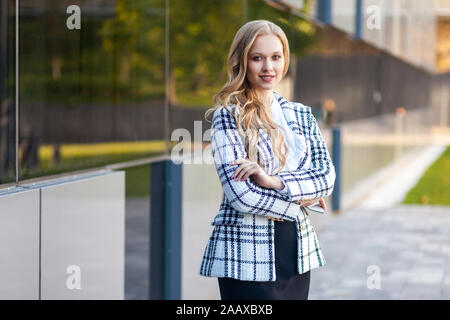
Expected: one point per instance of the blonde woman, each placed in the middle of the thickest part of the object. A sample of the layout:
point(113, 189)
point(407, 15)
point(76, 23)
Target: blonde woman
point(272, 161)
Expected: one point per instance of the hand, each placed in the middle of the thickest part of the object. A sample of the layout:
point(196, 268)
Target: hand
point(249, 168)
point(305, 203)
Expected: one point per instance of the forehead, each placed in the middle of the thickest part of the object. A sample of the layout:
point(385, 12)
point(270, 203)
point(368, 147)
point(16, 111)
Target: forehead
point(266, 44)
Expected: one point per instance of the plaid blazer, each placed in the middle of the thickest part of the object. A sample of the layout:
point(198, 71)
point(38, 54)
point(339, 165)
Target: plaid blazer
point(241, 245)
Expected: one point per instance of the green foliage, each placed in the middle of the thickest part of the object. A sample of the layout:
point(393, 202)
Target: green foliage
point(434, 186)
point(120, 58)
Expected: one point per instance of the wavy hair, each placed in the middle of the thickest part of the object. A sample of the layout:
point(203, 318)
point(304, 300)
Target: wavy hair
point(250, 113)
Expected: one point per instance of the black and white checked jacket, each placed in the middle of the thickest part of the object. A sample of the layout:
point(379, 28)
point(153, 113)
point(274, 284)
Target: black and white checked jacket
point(241, 245)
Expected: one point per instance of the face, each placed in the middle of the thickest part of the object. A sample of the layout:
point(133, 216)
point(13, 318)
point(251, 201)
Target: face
point(265, 63)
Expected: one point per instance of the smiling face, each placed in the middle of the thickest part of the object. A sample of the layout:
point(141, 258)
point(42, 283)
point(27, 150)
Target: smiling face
point(265, 63)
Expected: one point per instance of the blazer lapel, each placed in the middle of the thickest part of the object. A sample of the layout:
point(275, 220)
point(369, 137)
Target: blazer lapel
point(296, 120)
point(292, 115)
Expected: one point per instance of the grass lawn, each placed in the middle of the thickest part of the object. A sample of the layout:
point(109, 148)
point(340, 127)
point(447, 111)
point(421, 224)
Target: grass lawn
point(434, 186)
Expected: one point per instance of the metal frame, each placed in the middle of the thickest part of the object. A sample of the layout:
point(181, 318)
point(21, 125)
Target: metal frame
point(165, 230)
point(323, 12)
point(336, 195)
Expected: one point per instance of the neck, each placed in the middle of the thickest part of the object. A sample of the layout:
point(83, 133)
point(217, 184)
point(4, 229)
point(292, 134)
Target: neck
point(267, 97)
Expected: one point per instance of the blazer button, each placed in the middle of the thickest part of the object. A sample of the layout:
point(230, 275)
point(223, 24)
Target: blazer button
point(301, 227)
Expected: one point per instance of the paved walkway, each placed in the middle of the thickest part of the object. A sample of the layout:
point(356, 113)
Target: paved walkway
point(382, 250)
point(398, 253)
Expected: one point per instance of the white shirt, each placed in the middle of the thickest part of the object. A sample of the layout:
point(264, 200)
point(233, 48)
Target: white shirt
point(296, 144)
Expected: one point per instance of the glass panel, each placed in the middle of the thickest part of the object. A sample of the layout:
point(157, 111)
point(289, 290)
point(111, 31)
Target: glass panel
point(199, 43)
point(81, 232)
point(310, 8)
point(92, 83)
point(7, 92)
point(373, 22)
point(19, 245)
point(405, 28)
point(343, 15)
point(137, 236)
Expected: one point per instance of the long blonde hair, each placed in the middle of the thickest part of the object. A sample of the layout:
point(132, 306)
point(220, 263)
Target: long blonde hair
point(250, 113)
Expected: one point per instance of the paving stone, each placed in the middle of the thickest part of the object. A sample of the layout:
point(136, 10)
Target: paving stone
point(409, 244)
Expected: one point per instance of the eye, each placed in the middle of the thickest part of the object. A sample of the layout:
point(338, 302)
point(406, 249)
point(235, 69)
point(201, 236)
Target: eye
point(255, 58)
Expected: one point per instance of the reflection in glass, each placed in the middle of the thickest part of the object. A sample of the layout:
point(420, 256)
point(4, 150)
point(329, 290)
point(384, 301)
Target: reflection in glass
point(7, 93)
point(405, 28)
point(92, 95)
point(137, 237)
point(200, 35)
point(343, 15)
point(199, 44)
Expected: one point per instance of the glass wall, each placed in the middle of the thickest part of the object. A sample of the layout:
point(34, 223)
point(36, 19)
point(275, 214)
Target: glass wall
point(199, 45)
point(7, 92)
point(200, 35)
point(137, 232)
point(92, 83)
point(343, 15)
point(405, 28)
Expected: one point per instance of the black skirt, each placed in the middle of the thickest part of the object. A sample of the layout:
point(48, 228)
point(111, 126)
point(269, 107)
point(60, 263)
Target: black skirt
point(289, 285)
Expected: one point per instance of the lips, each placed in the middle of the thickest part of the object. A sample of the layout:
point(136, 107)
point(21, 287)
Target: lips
point(267, 77)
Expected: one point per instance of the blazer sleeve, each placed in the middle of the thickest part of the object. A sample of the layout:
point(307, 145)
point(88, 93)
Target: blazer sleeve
point(317, 181)
point(244, 196)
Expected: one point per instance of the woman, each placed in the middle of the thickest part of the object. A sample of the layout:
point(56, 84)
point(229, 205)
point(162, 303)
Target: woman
point(271, 160)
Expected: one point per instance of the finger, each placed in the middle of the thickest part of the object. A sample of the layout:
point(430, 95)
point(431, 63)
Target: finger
point(310, 202)
point(237, 171)
point(248, 174)
point(322, 203)
point(238, 161)
point(247, 171)
point(243, 170)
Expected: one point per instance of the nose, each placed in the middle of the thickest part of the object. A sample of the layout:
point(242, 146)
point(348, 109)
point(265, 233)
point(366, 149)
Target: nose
point(267, 65)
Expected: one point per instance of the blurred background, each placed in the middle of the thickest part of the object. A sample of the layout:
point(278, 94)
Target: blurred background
point(109, 90)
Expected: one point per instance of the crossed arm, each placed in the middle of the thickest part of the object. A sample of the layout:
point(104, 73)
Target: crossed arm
point(249, 197)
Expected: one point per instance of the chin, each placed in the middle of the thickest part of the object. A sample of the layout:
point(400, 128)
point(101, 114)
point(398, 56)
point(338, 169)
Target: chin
point(268, 87)
point(265, 86)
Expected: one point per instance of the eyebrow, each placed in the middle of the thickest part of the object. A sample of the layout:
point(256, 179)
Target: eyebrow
point(253, 53)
